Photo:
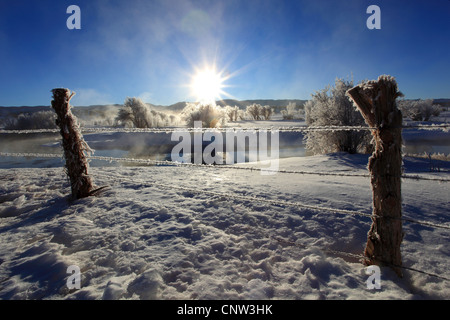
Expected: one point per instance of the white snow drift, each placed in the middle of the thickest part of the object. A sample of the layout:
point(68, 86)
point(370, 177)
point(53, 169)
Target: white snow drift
point(155, 235)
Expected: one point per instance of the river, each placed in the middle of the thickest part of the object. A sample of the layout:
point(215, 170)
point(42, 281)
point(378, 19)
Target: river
point(158, 146)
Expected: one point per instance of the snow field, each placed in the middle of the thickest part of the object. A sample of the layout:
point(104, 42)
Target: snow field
point(140, 240)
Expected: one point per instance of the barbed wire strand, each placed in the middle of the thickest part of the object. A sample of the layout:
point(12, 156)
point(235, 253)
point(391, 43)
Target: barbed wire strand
point(279, 202)
point(360, 257)
point(281, 240)
point(275, 202)
point(225, 129)
point(221, 166)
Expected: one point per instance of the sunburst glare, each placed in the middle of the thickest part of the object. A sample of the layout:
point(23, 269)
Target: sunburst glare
point(207, 85)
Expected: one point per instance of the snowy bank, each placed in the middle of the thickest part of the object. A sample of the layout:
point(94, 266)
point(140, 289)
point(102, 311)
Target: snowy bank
point(154, 234)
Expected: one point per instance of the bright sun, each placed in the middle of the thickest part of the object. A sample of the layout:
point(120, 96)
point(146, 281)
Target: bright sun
point(207, 85)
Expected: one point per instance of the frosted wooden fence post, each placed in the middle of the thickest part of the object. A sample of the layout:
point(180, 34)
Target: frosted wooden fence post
point(376, 100)
point(73, 144)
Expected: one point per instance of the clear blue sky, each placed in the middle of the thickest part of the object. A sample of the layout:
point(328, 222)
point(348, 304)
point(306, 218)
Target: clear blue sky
point(272, 49)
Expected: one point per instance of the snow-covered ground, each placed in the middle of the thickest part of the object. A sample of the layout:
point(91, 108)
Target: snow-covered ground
point(156, 234)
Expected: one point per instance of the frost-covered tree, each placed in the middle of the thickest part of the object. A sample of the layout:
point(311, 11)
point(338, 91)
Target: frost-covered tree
point(259, 112)
point(234, 113)
point(125, 116)
point(254, 111)
point(290, 111)
point(32, 121)
point(211, 115)
point(136, 113)
point(331, 107)
point(266, 112)
point(419, 110)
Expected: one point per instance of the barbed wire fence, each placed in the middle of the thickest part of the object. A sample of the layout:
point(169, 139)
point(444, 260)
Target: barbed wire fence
point(444, 127)
point(247, 198)
point(284, 203)
point(152, 162)
point(376, 102)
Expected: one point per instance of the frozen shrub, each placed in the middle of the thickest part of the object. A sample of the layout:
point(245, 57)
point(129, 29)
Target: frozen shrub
point(9, 123)
point(32, 121)
point(331, 107)
point(211, 115)
point(135, 113)
point(234, 113)
point(419, 110)
point(290, 112)
point(253, 111)
point(173, 119)
point(258, 112)
point(266, 112)
point(308, 108)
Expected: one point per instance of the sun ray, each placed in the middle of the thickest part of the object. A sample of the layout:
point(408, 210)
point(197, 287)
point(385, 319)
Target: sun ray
point(207, 85)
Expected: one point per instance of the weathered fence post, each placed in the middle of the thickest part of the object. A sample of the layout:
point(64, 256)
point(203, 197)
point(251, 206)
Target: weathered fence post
point(376, 100)
point(73, 144)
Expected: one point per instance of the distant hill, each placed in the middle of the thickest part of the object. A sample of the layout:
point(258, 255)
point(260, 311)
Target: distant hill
point(242, 104)
point(15, 111)
point(264, 102)
point(442, 102)
point(94, 110)
point(101, 110)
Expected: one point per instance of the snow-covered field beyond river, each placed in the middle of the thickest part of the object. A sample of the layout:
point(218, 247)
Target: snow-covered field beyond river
point(155, 235)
